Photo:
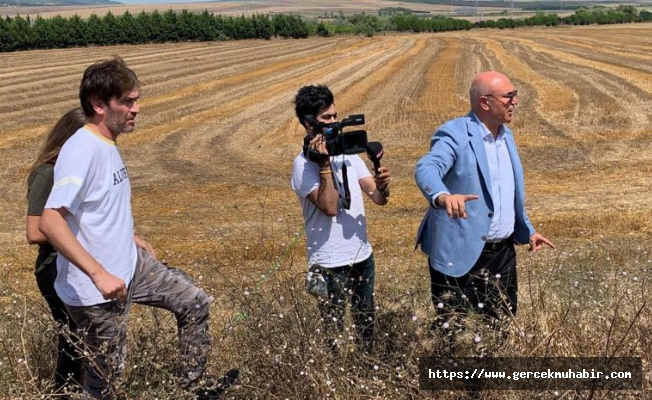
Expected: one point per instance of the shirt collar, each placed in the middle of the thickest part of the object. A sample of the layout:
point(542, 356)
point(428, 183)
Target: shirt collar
point(96, 133)
point(486, 132)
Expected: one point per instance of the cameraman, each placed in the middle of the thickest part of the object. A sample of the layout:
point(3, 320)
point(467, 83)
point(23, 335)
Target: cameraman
point(336, 232)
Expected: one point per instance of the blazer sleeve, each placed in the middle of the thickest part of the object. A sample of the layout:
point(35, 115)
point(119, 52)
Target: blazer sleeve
point(433, 167)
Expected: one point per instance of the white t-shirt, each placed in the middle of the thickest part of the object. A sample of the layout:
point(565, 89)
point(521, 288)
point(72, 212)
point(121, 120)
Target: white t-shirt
point(92, 183)
point(340, 240)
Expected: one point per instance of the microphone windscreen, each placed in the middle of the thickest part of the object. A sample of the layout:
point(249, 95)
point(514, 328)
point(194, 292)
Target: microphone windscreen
point(376, 149)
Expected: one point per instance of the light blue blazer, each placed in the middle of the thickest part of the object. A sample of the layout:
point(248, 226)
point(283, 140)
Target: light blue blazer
point(457, 163)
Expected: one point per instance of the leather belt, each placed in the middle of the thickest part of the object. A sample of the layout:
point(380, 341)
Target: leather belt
point(498, 244)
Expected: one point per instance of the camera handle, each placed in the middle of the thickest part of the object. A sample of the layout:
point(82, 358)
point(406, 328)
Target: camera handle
point(310, 153)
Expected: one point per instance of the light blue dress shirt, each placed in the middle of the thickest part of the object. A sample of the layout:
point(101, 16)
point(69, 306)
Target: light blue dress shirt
point(502, 185)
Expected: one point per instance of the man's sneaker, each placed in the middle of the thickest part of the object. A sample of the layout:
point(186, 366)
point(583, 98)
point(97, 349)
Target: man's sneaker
point(214, 392)
point(229, 379)
point(209, 394)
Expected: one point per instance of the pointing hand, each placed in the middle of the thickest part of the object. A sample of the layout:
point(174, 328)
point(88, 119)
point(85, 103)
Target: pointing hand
point(455, 204)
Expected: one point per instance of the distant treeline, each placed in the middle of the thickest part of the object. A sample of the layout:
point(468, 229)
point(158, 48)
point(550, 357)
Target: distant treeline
point(551, 5)
point(20, 33)
point(399, 10)
point(520, 4)
point(598, 15)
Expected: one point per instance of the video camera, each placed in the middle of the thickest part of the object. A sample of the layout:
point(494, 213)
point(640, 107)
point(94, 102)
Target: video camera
point(339, 142)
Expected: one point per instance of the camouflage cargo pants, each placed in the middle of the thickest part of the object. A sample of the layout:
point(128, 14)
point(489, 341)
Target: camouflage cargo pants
point(103, 327)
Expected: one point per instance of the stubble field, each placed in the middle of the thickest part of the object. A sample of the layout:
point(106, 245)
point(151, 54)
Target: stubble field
point(308, 8)
point(210, 161)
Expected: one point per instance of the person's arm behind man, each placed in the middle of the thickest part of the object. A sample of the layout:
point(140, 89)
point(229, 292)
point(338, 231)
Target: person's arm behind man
point(38, 189)
point(55, 228)
point(32, 233)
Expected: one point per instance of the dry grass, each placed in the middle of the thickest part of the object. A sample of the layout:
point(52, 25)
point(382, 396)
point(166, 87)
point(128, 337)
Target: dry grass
point(310, 8)
point(210, 164)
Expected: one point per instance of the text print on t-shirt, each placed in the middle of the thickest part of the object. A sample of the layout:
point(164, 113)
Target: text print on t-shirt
point(120, 175)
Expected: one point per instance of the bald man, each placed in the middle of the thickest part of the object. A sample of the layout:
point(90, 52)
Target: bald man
point(473, 180)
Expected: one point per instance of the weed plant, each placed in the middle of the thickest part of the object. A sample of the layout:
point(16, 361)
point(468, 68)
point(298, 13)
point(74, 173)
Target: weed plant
point(583, 299)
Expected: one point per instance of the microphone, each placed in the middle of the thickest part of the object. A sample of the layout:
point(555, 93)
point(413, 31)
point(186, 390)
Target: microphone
point(375, 153)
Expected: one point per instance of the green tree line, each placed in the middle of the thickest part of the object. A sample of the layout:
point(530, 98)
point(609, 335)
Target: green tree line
point(20, 33)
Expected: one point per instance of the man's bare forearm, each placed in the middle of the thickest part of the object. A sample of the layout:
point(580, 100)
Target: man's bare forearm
point(381, 197)
point(325, 197)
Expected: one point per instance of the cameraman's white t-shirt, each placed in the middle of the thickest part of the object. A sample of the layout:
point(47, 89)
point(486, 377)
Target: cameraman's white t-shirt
point(92, 183)
point(340, 240)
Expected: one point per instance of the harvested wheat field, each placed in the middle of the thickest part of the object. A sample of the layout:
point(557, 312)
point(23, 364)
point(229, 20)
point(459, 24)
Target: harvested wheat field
point(309, 8)
point(210, 163)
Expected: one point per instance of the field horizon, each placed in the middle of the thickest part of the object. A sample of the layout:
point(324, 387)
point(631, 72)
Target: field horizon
point(210, 162)
point(306, 8)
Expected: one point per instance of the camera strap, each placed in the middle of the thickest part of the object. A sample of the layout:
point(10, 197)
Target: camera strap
point(346, 201)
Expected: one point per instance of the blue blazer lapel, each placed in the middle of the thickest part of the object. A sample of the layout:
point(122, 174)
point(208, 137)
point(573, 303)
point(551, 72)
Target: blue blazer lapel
point(475, 132)
point(523, 228)
point(516, 165)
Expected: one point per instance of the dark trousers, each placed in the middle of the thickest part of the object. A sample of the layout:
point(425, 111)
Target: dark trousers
point(489, 288)
point(356, 280)
point(67, 372)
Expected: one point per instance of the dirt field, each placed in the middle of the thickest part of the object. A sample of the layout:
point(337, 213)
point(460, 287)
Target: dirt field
point(210, 159)
point(311, 8)
point(211, 156)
